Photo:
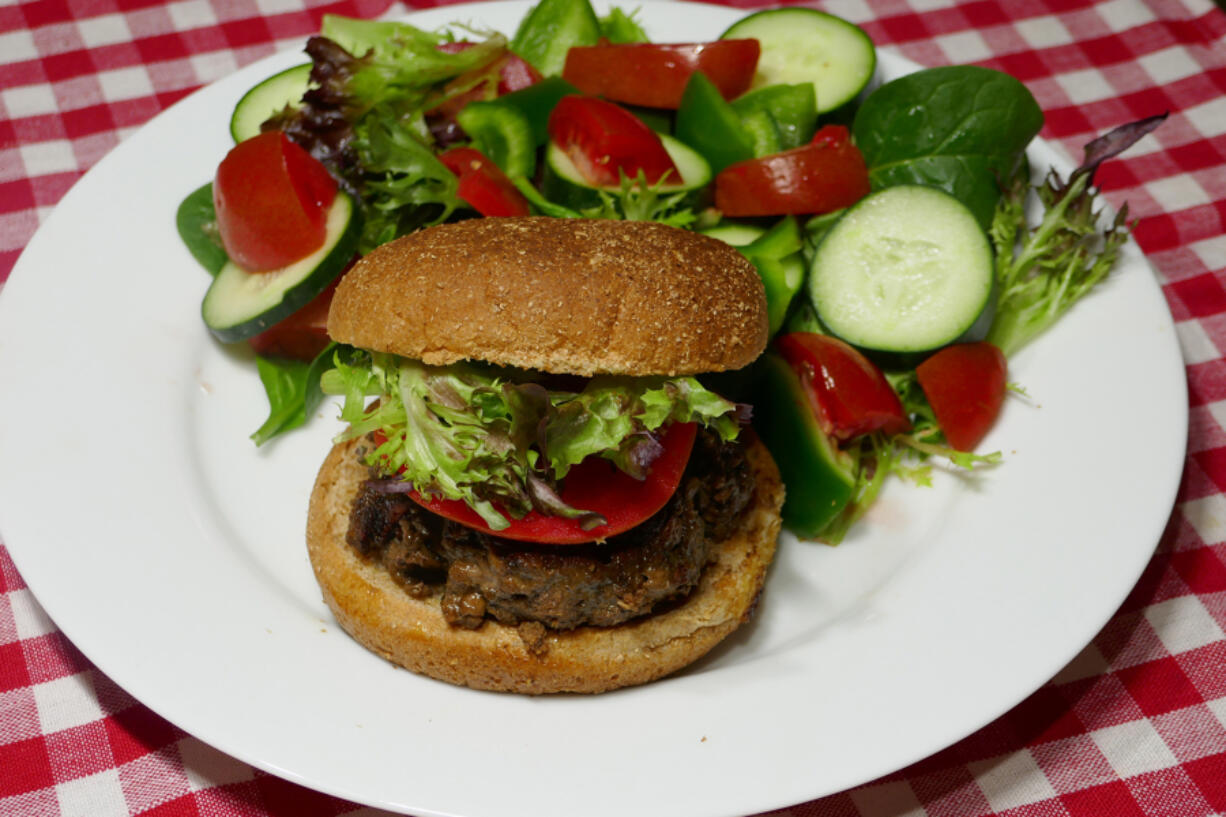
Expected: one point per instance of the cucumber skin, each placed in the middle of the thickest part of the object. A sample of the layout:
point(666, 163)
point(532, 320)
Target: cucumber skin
point(297, 296)
point(242, 124)
point(577, 195)
point(896, 357)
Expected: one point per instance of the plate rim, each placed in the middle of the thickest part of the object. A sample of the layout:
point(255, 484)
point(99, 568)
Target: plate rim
point(19, 553)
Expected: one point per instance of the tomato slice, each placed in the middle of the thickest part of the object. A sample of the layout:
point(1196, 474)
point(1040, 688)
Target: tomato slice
point(604, 140)
point(483, 184)
point(655, 74)
point(271, 198)
point(965, 385)
point(851, 395)
point(827, 174)
point(593, 485)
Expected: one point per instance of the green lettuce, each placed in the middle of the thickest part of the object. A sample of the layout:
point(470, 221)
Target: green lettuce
point(499, 440)
point(365, 116)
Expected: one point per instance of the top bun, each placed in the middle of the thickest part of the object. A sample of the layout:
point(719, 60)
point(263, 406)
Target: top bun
point(574, 296)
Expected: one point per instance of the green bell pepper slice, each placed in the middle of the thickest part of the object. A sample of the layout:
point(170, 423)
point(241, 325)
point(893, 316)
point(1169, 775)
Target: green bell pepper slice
point(763, 132)
point(819, 479)
point(777, 256)
point(503, 133)
point(708, 124)
point(536, 102)
point(793, 108)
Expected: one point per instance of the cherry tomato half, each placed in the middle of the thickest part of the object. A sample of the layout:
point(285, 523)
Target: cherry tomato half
point(965, 385)
point(602, 138)
point(271, 198)
point(593, 485)
point(825, 175)
point(483, 184)
point(655, 74)
point(851, 395)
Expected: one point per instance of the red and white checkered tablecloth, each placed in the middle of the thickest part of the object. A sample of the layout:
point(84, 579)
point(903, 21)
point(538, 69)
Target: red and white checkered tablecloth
point(1136, 725)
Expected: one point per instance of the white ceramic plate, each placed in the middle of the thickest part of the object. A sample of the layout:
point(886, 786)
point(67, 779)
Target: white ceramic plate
point(170, 550)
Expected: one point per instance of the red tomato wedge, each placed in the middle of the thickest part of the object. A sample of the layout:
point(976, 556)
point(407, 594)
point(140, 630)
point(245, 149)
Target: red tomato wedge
point(483, 184)
point(965, 385)
point(302, 335)
point(850, 393)
point(271, 198)
point(654, 74)
point(827, 174)
point(593, 485)
point(603, 140)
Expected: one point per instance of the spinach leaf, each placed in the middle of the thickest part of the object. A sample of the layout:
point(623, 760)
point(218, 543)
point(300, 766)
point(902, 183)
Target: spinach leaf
point(197, 225)
point(285, 385)
point(293, 390)
point(961, 128)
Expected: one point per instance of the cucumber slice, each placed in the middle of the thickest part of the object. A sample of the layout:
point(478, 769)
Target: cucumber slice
point(562, 183)
point(269, 97)
point(806, 45)
point(241, 304)
point(906, 269)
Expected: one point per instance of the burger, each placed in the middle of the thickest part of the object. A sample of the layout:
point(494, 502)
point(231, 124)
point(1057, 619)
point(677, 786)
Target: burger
point(535, 492)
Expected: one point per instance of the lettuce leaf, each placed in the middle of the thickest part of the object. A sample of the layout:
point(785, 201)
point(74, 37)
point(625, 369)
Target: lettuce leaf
point(500, 440)
point(364, 116)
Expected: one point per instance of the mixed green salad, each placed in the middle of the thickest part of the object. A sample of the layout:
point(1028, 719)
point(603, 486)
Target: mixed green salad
point(894, 226)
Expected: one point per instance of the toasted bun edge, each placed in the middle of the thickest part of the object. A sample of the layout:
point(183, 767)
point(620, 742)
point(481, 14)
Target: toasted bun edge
point(411, 632)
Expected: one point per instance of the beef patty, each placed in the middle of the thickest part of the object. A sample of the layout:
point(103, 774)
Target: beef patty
point(559, 587)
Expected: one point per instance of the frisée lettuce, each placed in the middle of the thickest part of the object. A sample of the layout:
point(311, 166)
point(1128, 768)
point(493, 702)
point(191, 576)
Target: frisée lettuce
point(500, 440)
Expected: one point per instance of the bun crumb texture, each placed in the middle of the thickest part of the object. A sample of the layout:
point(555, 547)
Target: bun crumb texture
point(576, 296)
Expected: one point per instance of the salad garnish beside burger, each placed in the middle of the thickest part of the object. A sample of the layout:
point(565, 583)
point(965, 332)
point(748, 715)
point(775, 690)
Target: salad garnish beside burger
point(603, 314)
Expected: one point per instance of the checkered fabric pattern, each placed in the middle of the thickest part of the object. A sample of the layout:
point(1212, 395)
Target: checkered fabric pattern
point(1136, 725)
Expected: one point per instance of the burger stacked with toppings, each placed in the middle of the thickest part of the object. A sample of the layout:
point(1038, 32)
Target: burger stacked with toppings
point(535, 493)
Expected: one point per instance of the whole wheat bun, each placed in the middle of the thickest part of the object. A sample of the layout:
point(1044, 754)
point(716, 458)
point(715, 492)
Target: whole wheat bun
point(411, 632)
point(578, 296)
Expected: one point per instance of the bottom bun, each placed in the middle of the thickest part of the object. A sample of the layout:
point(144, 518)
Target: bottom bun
point(411, 632)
